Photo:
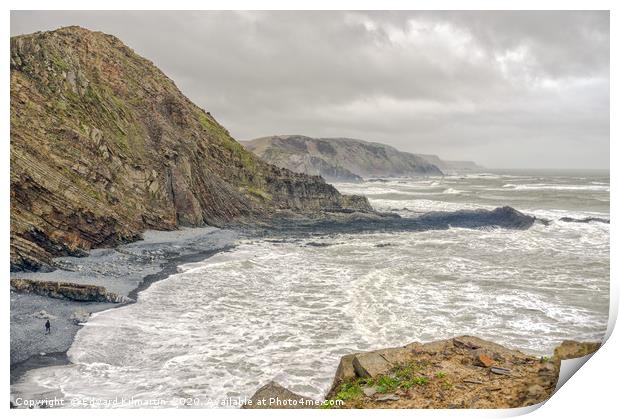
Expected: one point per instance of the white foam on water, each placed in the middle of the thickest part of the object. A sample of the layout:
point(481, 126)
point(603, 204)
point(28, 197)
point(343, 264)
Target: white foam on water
point(414, 207)
point(543, 186)
point(288, 310)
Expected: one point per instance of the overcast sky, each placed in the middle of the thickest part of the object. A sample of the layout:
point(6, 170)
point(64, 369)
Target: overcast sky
point(505, 89)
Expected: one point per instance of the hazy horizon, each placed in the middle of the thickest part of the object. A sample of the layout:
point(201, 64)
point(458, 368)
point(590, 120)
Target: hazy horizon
point(527, 90)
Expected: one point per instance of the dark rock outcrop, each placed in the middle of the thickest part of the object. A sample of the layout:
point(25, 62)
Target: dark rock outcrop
point(506, 217)
point(66, 291)
point(343, 222)
point(104, 146)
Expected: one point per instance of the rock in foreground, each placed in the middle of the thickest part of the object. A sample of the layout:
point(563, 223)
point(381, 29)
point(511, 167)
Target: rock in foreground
point(273, 396)
point(464, 372)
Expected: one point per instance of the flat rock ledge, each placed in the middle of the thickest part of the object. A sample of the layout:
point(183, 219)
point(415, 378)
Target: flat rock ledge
point(66, 291)
point(463, 372)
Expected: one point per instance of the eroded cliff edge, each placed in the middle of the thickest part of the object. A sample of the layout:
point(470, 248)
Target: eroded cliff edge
point(104, 146)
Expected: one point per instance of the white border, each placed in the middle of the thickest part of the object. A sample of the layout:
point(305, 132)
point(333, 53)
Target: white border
point(593, 390)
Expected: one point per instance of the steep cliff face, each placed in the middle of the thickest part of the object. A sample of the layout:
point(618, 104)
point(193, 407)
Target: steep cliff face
point(453, 166)
point(339, 159)
point(104, 145)
point(303, 155)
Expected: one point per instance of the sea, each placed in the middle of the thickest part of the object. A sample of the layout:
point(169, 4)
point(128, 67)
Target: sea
point(286, 310)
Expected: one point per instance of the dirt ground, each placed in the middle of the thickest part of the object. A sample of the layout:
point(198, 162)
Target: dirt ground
point(464, 372)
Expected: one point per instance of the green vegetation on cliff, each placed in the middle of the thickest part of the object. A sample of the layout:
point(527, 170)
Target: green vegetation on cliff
point(104, 145)
point(340, 159)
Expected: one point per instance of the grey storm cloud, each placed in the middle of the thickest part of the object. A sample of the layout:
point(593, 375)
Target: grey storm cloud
point(506, 89)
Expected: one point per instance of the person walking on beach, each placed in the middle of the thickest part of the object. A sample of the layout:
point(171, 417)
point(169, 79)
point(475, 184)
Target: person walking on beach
point(48, 327)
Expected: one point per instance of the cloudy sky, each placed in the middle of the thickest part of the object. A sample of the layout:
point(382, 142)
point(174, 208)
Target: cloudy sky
point(506, 89)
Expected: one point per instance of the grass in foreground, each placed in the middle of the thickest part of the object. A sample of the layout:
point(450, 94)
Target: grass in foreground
point(403, 376)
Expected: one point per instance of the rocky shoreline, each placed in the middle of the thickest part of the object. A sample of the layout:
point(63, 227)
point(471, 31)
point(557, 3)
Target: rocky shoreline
point(464, 372)
point(87, 282)
point(107, 159)
point(109, 278)
point(66, 291)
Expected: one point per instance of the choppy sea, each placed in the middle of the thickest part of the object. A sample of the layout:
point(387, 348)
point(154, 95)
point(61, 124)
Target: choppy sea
point(287, 310)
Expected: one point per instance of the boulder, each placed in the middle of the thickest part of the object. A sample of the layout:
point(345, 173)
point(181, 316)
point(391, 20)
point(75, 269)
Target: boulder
point(273, 396)
point(370, 365)
point(344, 372)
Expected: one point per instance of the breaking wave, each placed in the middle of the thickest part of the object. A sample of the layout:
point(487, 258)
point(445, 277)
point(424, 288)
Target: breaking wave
point(288, 306)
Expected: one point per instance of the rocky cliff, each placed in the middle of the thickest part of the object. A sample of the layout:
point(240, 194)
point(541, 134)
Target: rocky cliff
point(339, 159)
point(453, 166)
point(104, 145)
